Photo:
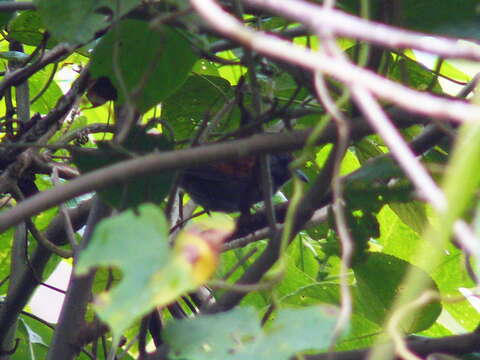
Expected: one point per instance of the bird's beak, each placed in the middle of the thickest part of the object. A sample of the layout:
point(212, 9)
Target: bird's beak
point(301, 175)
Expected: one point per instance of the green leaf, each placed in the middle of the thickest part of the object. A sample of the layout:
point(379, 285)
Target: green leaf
point(32, 336)
point(151, 64)
point(205, 68)
point(379, 282)
point(149, 188)
point(237, 334)
point(313, 294)
point(5, 16)
point(362, 330)
point(31, 344)
point(28, 28)
point(78, 21)
point(447, 17)
point(304, 255)
point(415, 75)
point(412, 213)
point(211, 337)
point(50, 96)
point(187, 107)
point(137, 244)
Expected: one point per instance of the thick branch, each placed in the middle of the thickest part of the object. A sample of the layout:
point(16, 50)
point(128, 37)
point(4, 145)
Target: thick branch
point(454, 345)
point(176, 160)
point(29, 279)
point(72, 316)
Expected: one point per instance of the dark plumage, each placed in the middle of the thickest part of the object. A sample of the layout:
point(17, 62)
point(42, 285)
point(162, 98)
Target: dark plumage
point(234, 186)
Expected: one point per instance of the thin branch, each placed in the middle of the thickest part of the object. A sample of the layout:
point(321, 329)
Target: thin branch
point(66, 254)
point(18, 76)
point(400, 150)
point(338, 205)
point(320, 216)
point(42, 125)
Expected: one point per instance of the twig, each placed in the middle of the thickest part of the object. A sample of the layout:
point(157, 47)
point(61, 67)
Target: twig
point(66, 254)
point(320, 216)
point(394, 324)
point(43, 125)
point(239, 263)
point(68, 222)
point(37, 234)
point(18, 76)
point(338, 205)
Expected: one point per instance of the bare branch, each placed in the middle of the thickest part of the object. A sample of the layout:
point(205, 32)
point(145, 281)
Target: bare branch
point(344, 71)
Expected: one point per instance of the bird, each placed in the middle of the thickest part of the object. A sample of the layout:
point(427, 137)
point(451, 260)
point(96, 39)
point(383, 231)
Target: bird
point(235, 186)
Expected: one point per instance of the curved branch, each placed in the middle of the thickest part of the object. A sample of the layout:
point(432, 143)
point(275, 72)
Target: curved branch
point(176, 160)
point(344, 71)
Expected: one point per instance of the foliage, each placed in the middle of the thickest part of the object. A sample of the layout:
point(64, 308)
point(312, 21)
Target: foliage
point(120, 97)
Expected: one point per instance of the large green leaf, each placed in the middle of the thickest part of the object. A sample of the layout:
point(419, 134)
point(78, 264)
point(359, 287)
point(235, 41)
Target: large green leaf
point(414, 75)
point(78, 21)
point(187, 107)
point(49, 97)
point(403, 242)
point(237, 334)
point(138, 245)
point(412, 213)
point(28, 28)
point(144, 65)
point(379, 281)
point(362, 330)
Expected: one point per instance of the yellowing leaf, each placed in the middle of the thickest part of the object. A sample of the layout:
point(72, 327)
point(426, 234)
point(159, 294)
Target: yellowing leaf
point(200, 243)
point(153, 274)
